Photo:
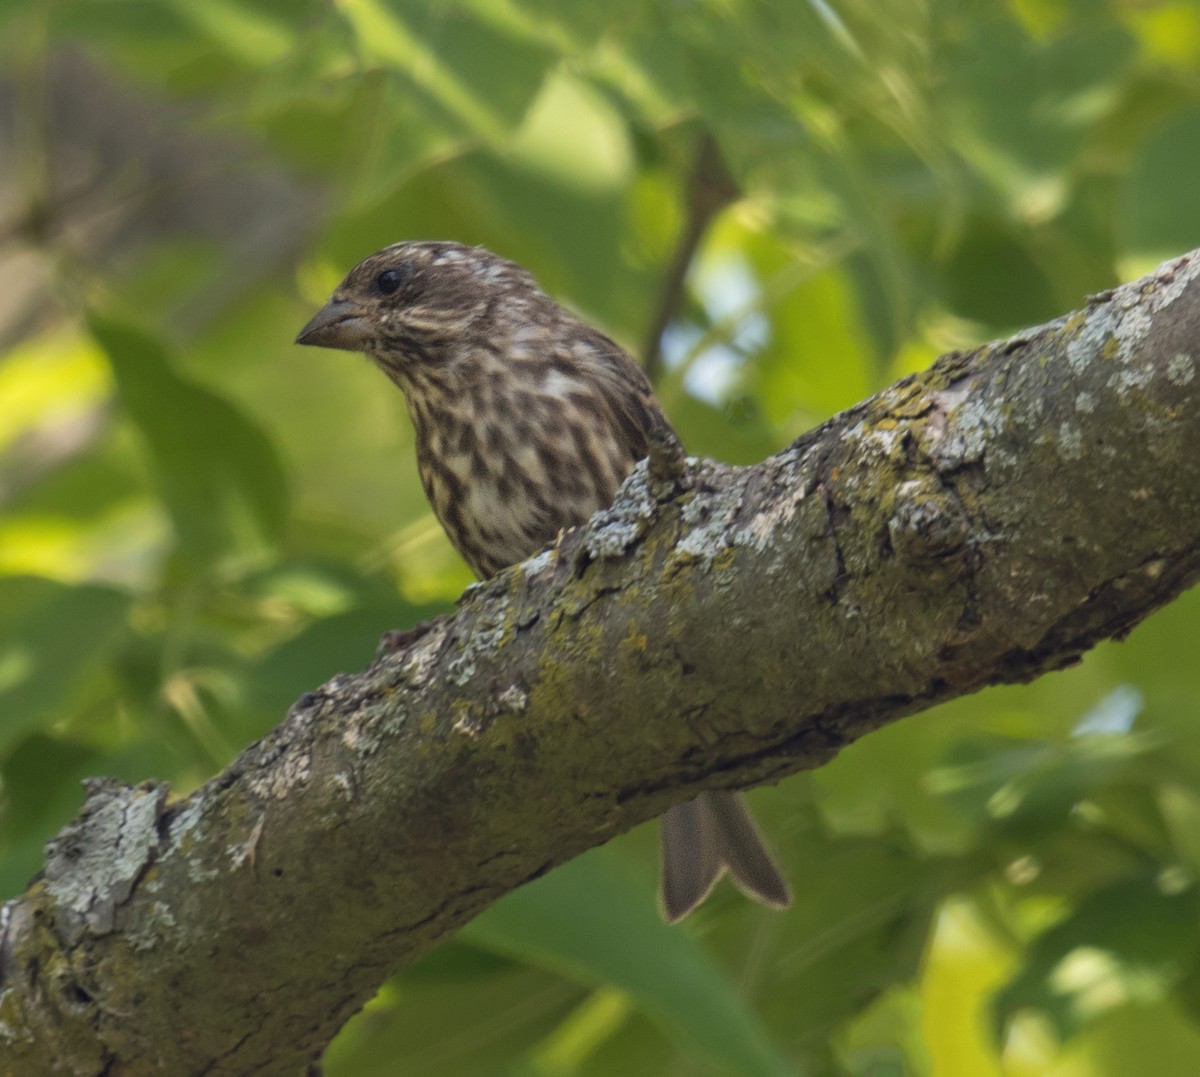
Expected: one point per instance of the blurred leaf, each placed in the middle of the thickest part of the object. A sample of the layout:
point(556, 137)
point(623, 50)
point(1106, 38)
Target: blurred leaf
point(250, 35)
point(61, 641)
point(48, 383)
point(584, 920)
point(449, 58)
point(993, 277)
point(819, 358)
point(343, 643)
point(963, 966)
point(863, 911)
point(42, 791)
point(219, 475)
point(1128, 942)
point(1122, 1041)
point(477, 1020)
point(1027, 105)
point(35, 772)
point(1159, 215)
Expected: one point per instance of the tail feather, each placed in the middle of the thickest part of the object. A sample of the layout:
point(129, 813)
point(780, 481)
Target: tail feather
point(691, 862)
point(701, 840)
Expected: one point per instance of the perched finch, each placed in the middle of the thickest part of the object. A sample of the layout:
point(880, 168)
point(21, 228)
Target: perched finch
point(527, 420)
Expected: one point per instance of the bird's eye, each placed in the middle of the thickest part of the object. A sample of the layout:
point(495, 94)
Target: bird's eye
point(389, 280)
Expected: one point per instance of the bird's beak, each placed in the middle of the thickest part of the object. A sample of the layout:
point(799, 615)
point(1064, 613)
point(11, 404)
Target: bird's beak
point(338, 324)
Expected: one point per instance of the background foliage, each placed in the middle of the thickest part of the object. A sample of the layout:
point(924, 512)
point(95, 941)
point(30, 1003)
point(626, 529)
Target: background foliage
point(201, 521)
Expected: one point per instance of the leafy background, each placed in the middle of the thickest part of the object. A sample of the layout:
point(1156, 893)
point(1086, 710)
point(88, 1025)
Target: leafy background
point(201, 521)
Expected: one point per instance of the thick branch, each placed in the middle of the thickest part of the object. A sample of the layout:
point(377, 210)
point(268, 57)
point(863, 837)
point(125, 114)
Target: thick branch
point(983, 522)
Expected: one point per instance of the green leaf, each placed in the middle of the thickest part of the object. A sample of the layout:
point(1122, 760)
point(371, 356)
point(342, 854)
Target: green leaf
point(248, 34)
point(1160, 216)
point(1025, 108)
point(993, 278)
point(453, 61)
point(342, 643)
point(35, 775)
point(588, 922)
point(1132, 940)
point(457, 1012)
point(218, 473)
point(817, 359)
point(52, 650)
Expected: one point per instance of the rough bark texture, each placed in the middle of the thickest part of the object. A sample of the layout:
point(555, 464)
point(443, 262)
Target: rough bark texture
point(983, 522)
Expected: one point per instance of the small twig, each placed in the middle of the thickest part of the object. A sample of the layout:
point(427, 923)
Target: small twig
point(710, 190)
point(781, 283)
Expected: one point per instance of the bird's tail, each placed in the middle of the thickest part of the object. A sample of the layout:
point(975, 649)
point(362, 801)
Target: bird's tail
point(701, 840)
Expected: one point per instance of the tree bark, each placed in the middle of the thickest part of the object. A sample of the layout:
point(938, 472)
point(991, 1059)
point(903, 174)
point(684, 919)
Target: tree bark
point(983, 522)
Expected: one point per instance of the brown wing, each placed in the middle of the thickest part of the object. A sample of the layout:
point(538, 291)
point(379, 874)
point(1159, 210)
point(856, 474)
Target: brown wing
point(632, 410)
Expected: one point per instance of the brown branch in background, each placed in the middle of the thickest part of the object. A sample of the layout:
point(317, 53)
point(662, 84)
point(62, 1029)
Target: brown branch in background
point(710, 189)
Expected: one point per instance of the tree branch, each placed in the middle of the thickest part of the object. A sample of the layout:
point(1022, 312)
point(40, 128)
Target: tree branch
point(710, 189)
point(983, 522)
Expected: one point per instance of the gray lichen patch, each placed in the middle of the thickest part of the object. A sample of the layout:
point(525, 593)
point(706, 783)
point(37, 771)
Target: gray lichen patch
point(488, 631)
point(157, 926)
point(1129, 314)
point(474, 721)
point(1130, 379)
point(97, 858)
point(513, 700)
point(614, 531)
point(420, 659)
point(292, 768)
point(709, 524)
point(977, 425)
point(1070, 441)
point(1181, 369)
point(1087, 336)
point(759, 534)
point(539, 563)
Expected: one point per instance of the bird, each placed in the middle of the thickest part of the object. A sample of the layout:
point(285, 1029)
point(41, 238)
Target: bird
point(527, 420)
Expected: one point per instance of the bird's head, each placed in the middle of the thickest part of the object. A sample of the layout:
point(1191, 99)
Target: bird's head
point(422, 302)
